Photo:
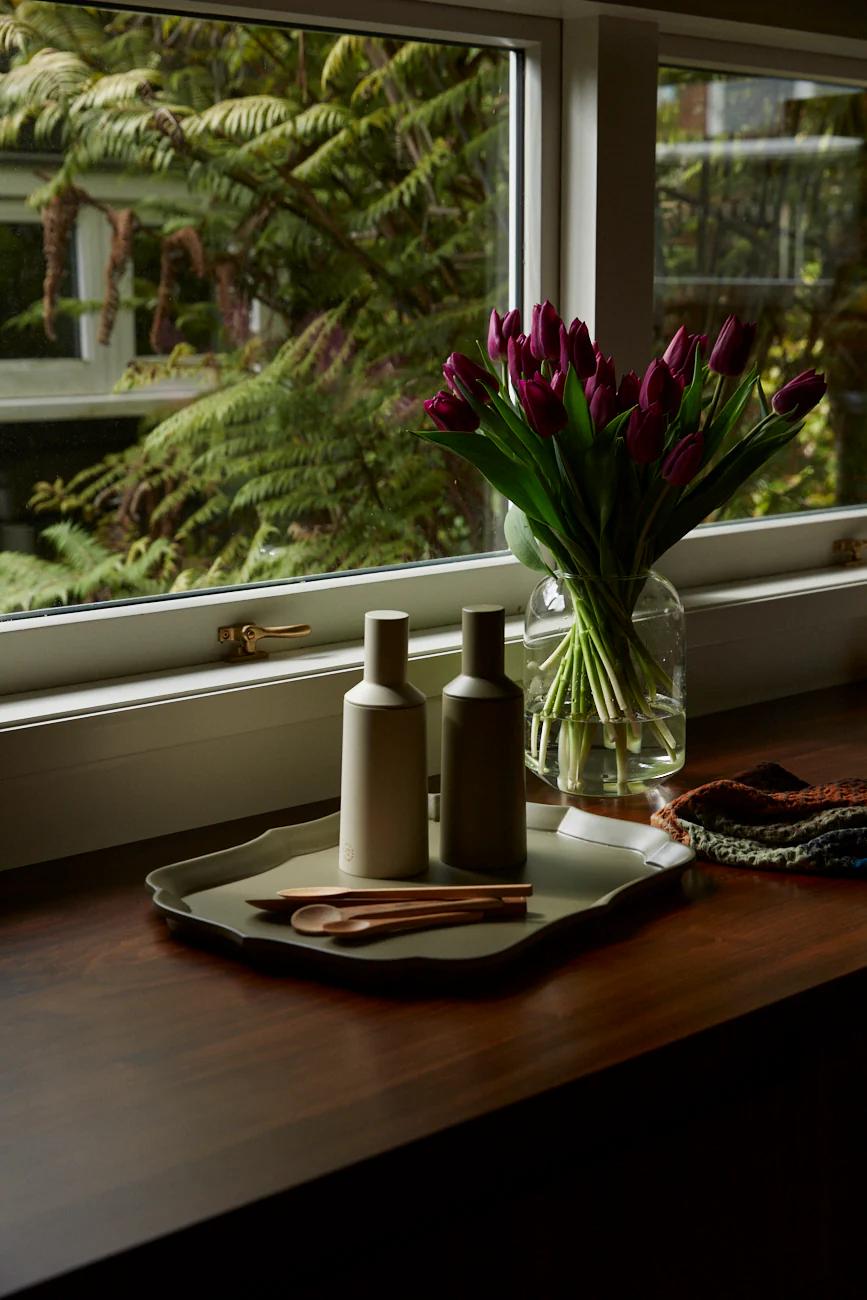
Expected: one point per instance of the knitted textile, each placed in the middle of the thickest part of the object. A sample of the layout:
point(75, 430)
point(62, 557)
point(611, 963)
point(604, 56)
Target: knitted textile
point(768, 818)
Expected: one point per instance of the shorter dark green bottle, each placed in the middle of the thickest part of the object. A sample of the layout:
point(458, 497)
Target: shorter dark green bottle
point(483, 812)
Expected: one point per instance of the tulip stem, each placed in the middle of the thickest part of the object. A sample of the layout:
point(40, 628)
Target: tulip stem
point(642, 537)
point(714, 401)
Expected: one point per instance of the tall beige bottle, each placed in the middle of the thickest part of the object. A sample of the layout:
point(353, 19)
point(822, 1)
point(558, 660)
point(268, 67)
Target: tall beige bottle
point(483, 813)
point(383, 785)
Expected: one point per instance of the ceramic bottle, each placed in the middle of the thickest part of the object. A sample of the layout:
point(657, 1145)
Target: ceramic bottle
point(483, 816)
point(383, 787)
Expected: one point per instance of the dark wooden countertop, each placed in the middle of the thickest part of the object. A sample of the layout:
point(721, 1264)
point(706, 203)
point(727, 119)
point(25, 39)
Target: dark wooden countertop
point(151, 1088)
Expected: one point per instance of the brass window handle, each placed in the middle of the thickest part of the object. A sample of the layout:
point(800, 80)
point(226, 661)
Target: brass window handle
point(243, 638)
point(851, 549)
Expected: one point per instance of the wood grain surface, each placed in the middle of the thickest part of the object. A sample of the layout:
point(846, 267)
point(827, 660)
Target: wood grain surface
point(694, 1073)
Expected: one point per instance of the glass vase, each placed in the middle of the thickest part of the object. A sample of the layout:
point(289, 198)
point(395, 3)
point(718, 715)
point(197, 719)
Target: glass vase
point(604, 682)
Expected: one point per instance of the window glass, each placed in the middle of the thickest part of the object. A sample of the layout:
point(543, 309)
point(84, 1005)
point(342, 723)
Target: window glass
point(22, 273)
point(297, 227)
point(762, 211)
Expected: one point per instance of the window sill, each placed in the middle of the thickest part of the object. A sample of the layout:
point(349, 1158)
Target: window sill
point(148, 755)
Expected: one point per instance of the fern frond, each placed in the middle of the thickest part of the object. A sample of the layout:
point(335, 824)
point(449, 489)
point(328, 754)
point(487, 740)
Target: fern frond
point(407, 190)
point(50, 74)
point(118, 89)
point(344, 52)
point(239, 119)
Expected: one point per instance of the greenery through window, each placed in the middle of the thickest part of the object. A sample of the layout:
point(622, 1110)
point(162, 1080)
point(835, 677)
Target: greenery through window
point(302, 224)
point(762, 211)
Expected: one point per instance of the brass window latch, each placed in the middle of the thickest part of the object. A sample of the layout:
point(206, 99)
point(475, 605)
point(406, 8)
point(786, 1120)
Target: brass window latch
point(243, 639)
point(851, 550)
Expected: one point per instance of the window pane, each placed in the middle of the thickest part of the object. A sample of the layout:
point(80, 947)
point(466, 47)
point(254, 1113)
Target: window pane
point(22, 268)
point(288, 231)
point(762, 211)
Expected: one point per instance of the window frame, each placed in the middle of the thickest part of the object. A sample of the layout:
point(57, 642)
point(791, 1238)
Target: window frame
point(163, 737)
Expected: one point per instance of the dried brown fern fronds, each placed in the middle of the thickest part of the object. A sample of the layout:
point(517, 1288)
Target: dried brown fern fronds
point(123, 227)
point(58, 222)
point(185, 241)
point(232, 302)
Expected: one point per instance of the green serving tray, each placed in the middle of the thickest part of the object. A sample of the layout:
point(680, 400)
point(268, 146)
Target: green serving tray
point(580, 865)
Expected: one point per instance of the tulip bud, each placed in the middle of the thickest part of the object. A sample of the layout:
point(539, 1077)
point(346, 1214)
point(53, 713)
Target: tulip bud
point(679, 356)
point(683, 461)
point(732, 348)
point(628, 392)
point(451, 413)
point(558, 383)
point(545, 332)
point(799, 395)
point(496, 341)
point(479, 383)
point(512, 324)
point(603, 405)
point(676, 353)
point(546, 414)
point(575, 347)
point(660, 385)
point(603, 376)
point(520, 360)
point(645, 434)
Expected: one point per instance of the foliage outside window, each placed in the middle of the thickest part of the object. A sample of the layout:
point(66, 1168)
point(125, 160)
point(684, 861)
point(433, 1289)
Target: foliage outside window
point(762, 211)
point(321, 216)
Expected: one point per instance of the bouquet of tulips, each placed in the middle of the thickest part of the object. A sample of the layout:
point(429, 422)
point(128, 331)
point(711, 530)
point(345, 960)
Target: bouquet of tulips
point(604, 474)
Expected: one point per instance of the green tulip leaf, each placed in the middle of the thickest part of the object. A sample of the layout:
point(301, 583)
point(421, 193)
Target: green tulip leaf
point(521, 542)
point(579, 433)
point(508, 478)
point(726, 419)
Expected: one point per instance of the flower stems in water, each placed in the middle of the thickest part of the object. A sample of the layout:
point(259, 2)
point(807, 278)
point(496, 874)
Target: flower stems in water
point(603, 675)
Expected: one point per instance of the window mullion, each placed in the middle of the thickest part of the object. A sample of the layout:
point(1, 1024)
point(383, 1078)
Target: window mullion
point(609, 142)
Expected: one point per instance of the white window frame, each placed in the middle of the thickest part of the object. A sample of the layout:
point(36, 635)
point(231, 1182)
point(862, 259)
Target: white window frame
point(159, 704)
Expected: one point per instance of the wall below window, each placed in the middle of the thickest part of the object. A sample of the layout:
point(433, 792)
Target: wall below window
point(96, 766)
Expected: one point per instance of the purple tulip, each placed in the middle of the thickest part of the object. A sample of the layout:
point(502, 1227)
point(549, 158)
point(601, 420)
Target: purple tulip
point(603, 405)
point(577, 350)
point(604, 376)
point(675, 354)
point(645, 434)
point(558, 383)
point(520, 360)
point(545, 412)
point(733, 345)
point(451, 414)
point(660, 385)
point(496, 341)
point(799, 395)
point(545, 332)
point(629, 390)
point(682, 462)
point(500, 330)
point(478, 382)
point(512, 324)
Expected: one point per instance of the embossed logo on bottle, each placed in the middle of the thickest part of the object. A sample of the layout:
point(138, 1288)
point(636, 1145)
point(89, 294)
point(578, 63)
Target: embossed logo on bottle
point(347, 852)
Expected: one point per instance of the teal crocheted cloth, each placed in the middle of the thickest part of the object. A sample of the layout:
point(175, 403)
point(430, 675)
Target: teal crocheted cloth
point(768, 818)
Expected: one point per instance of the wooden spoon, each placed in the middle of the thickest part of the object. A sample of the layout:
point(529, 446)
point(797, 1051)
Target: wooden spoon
point(382, 927)
point(288, 899)
point(314, 918)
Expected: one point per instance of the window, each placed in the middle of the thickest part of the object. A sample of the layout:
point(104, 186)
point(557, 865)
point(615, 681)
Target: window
point(285, 231)
point(762, 211)
point(124, 707)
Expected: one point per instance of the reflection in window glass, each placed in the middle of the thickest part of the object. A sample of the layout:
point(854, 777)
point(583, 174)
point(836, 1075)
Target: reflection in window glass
point(22, 271)
point(297, 227)
point(762, 211)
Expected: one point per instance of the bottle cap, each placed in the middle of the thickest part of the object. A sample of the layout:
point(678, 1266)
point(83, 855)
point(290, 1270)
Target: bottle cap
point(484, 630)
point(386, 646)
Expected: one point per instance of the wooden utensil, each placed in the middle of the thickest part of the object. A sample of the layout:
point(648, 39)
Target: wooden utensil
point(382, 927)
point(313, 919)
point(288, 899)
